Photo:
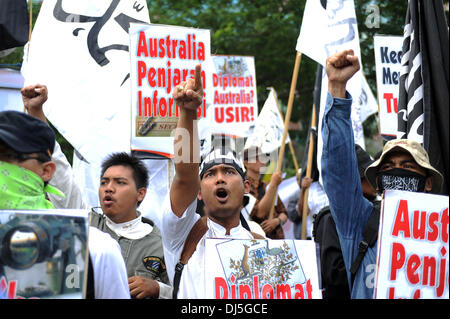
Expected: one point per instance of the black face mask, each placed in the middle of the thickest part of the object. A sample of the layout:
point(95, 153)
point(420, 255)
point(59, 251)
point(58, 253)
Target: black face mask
point(400, 179)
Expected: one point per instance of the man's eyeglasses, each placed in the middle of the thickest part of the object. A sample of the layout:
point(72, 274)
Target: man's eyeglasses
point(20, 157)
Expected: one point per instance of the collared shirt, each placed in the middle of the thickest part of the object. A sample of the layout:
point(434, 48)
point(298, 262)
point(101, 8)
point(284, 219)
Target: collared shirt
point(174, 233)
point(341, 181)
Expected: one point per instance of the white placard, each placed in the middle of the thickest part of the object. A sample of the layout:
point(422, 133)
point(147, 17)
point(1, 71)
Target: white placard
point(388, 53)
point(412, 259)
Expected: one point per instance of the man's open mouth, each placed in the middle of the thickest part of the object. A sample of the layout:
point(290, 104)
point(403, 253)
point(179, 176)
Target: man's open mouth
point(108, 200)
point(222, 195)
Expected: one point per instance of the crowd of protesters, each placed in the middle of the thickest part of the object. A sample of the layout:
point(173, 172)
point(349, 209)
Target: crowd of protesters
point(129, 256)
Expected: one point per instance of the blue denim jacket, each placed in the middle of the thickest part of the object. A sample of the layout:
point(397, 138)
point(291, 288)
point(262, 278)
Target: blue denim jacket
point(341, 181)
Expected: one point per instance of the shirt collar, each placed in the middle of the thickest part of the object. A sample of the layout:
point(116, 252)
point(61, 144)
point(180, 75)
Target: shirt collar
point(133, 229)
point(218, 231)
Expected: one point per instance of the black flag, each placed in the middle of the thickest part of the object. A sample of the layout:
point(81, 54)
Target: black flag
point(423, 93)
point(13, 24)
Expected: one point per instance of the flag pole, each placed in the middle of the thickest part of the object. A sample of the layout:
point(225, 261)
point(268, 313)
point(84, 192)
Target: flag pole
point(308, 173)
point(286, 121)
point(30, 22)
point(291, 147)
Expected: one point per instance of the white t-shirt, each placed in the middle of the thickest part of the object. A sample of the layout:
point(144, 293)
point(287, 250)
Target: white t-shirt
point(174, 233)
point(110, 273)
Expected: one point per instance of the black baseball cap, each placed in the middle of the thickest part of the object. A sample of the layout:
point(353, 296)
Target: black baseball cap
point(26, 134)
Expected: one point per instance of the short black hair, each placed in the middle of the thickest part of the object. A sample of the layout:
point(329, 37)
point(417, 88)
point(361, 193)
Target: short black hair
point(140, 171)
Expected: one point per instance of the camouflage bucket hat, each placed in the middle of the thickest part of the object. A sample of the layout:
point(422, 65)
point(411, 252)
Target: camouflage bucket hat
point(416, 151)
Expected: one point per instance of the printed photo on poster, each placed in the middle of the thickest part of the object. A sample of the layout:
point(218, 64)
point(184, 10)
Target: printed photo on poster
point(43, 254)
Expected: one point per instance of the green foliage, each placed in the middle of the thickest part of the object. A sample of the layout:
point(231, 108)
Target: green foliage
point(268, 30)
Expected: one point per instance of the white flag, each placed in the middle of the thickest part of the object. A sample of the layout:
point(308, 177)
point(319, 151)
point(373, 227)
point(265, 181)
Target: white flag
point(313, 32)
point(324, 32)
point(269, 127)
point(79, 49)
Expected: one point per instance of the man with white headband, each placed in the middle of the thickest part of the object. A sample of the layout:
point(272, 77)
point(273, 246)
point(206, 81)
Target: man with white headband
point(219, 182)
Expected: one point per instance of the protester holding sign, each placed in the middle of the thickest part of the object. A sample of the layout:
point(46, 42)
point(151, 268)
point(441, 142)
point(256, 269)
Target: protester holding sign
point(219, 181)
point(403, 164)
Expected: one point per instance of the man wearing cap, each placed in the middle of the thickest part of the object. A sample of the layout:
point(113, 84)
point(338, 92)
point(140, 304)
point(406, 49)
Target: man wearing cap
point(27, 144)
point(219, 182)
point(26, 147)
point(403, 165)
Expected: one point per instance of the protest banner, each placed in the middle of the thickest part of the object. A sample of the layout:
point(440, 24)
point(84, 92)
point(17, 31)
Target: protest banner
point(43, 254)
point(423, 110)
point(162, 57)
point(79, 50)
point(329, 27)
point(388, 54)
point(235, 107)
point(412, 259)
point(261, 269)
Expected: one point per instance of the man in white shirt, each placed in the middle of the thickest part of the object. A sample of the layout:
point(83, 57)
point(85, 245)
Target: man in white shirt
point(110, 277)
point(219, 182)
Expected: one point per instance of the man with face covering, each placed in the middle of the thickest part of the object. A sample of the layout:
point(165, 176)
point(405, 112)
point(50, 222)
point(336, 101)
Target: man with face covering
point(403, 165)
point(26, 147)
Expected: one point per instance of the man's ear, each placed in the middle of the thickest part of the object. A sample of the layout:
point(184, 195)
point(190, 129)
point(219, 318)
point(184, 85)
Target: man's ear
point(48, 170)
point(141, 194)
point(246, 186)
point(199, 195)
point(429, 184)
